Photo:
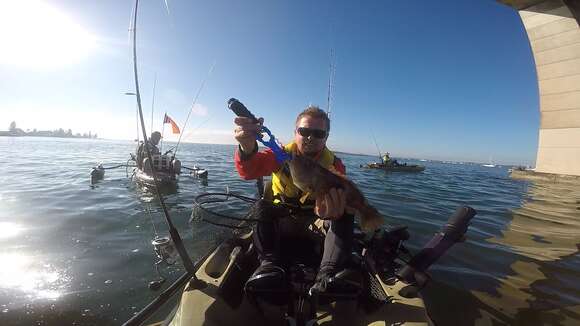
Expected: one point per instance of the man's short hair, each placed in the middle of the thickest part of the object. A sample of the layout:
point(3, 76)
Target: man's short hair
point(315, 112)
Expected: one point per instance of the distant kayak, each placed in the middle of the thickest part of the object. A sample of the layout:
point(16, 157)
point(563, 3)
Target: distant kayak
point(395, 167)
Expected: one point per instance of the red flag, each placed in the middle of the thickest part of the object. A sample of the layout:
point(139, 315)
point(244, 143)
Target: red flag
point(174, 126)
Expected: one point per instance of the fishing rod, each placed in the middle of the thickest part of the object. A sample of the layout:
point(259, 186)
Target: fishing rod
point(378, 149)
point(162, 133)
point(153, 101)
point(174, 234)
point(193, 106)
point(330, 83)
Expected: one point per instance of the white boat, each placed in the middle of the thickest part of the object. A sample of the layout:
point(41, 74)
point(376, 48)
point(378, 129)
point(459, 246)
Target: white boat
point(490, 164)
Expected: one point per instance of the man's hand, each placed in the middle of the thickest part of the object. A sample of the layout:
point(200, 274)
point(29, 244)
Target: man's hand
point(245, 133)
point(331, 206)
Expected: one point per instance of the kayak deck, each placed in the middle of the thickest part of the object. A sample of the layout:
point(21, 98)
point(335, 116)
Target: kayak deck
point(216, 297)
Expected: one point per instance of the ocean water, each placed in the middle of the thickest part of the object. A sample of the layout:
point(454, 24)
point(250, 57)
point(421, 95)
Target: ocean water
point(76, 253)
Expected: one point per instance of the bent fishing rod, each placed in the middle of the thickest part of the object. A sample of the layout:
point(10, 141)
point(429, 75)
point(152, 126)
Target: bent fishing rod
point(187, 263)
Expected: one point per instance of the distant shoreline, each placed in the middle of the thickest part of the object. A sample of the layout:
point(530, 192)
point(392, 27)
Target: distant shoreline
point(49, 136)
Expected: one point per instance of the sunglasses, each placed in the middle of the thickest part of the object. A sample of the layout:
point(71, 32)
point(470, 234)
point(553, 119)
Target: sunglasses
point(307, 132)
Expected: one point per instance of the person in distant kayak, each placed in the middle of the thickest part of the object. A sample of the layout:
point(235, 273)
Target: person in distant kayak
point(151, 143)
point(276, 235)
point(387, 159)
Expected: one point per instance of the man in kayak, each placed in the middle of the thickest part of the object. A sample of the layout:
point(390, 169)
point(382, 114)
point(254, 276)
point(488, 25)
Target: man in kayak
point(387, 159)
point(151, 143)
point(274, 232)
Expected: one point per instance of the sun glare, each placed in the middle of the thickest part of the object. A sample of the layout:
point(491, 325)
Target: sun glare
point(25, 273)
point(34, 34)
point(9, 230)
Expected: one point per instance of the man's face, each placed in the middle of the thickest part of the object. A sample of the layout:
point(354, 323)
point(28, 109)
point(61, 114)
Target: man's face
point(155, 139)
point(306, 132)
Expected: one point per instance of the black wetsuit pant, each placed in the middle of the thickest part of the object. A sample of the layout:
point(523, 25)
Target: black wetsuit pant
point(283, 233)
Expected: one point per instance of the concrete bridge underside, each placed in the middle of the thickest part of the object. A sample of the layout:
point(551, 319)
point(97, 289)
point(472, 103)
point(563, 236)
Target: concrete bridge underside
point(554, 34)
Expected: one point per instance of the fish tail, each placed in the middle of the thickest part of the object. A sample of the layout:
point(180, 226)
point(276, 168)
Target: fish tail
point(370, 218)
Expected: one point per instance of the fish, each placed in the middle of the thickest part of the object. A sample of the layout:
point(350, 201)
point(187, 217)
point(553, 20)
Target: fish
point(311, 178)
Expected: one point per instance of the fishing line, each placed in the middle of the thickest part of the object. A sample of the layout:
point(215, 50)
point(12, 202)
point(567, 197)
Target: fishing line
point(199, 125)
point(148, 210)
point(193, 106)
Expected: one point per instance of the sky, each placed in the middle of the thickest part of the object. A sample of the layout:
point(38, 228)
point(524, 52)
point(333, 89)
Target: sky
point(447, 80)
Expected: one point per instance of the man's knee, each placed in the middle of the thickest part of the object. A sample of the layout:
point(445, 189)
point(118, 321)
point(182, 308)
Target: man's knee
point(342, 225)
point(266, 211)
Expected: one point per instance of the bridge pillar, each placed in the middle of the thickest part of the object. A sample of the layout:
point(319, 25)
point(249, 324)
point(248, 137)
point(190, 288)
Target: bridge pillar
point(554, 35)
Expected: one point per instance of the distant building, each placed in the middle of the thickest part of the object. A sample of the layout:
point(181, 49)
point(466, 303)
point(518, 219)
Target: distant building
point(14, 131)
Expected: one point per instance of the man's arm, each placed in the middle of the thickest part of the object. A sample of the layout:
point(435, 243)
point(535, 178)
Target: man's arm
point(256, 164)
point(250, 163)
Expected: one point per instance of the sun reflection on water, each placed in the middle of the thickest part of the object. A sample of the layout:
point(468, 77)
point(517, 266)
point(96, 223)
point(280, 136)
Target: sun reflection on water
point(9, 230)
point(24, 273)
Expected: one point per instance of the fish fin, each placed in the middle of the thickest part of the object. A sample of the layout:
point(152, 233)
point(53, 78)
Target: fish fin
point(370, 218)
point(304, 197)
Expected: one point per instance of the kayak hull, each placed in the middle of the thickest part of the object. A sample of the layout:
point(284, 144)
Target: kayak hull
point(163, 178)
point(396, 168)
